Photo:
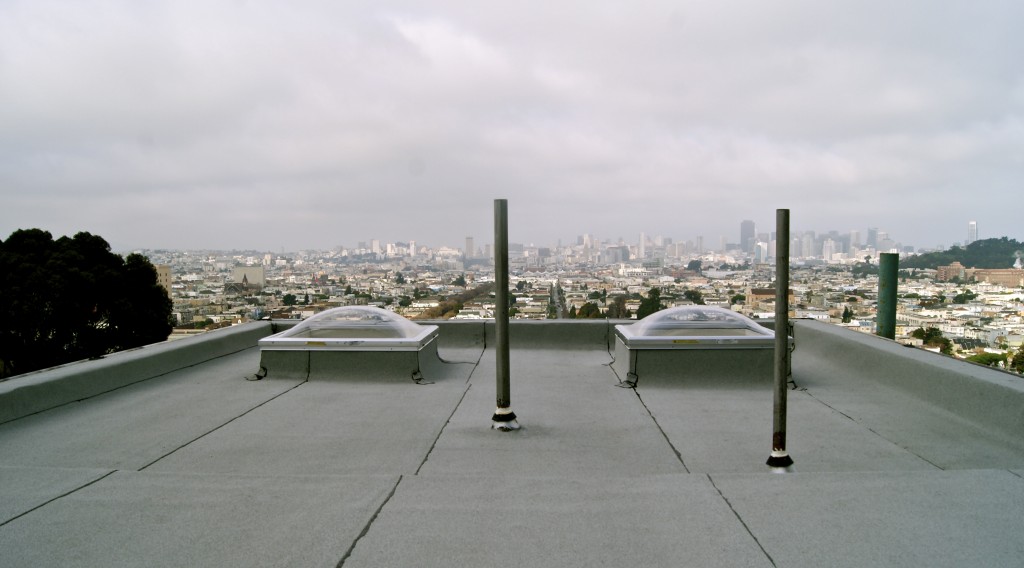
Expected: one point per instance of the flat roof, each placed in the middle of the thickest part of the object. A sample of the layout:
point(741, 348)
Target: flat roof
point(170, 456)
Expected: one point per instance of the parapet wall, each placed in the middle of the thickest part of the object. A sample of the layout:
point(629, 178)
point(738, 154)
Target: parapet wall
point(27, 394)
point(530, 334)
point(985, 396)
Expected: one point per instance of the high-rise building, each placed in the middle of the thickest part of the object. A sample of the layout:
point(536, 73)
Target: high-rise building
point(872, 237)
point(828, 249)
point(807, 248)
point(747, 236)
point(972, 232)
point(163, 277)
point(642, 249)
point(470, 252)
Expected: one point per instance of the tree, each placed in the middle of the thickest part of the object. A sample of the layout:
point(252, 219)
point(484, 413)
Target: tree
point(932, 337)
point(694, 296)
point(964, 297)
point(988, 359)
point(572, 312)
point(650, 304)
point(694, 266)
point(847, 314)
point(984, 253)
point(72, 298)
point(737, 299)
point(289, 299)
point(590, 310)
point(1017, 363)
point(399, 278)
point(460, 281)
point(617, 308)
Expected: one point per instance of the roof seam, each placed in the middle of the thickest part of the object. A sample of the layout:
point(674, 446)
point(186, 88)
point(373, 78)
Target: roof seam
point(61, 496)
point(679, 456)
point(869, 429)
point(366, 528)
point(440, 432)
point(740, 519)
point(201, 436)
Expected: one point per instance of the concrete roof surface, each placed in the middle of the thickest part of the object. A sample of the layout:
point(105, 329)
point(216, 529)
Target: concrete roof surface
point(169, 456)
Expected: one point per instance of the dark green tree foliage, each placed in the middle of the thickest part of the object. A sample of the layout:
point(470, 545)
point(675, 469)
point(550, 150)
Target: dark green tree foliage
point(986, 253)
point(71, 298)
point(694, 296)
point(1017, 363)
point(864, 269)
point(617, 308)
point(964, 297)
point(988, 359)
point(932, 337)
point(589, 310)
point(847, 314)
point(650, 304)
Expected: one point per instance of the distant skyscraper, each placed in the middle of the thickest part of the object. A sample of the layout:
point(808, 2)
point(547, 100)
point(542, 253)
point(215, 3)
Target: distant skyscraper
point(760, 252)
point(642, 249)
point(469, 252)
point(807, 246)
point(747, 236)
point(828, 248)
point(873, 237)
point(972, 232)
point(412, 248)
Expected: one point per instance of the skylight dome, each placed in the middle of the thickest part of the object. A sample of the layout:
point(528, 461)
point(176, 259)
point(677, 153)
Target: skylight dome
point(353, 328)
point(696, 321)
point(355, 321)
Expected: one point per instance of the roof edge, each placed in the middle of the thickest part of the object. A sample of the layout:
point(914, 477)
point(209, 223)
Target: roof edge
point(31, 393)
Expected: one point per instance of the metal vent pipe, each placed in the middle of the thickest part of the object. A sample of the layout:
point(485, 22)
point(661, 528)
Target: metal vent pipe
point(779, 457)
point(504, 419)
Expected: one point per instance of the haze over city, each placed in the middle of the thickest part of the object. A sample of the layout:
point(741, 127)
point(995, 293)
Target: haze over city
point(274, 126)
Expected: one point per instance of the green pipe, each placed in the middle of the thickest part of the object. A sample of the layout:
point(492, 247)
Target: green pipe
point(888, 281)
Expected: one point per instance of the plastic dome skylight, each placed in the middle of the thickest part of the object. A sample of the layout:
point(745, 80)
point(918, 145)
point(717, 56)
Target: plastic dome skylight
point(684, 320)
point(355, 321)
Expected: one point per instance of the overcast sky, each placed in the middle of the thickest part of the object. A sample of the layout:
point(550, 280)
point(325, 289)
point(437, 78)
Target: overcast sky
point(300, 124)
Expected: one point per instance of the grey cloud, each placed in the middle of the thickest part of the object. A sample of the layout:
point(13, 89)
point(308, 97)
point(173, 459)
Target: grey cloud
point(338, 122)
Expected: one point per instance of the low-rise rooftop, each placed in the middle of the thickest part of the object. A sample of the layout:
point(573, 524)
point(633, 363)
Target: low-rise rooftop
point(171, 455)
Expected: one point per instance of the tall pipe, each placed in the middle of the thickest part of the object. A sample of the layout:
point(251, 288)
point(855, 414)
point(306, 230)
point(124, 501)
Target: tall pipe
point(779, 457)
point(888, 281)
point(504, 419)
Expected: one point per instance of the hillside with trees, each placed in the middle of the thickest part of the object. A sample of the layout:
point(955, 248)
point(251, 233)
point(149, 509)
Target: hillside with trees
point(985, 253)
point(72, 298)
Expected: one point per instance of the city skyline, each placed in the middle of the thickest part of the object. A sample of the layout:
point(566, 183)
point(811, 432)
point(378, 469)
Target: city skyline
point(177, 125)
point(806, 243)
